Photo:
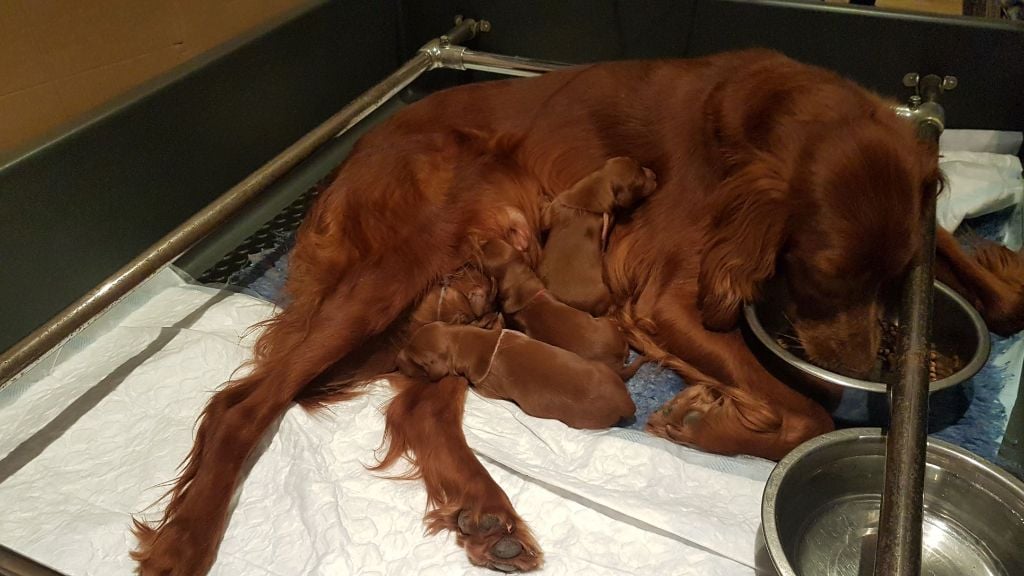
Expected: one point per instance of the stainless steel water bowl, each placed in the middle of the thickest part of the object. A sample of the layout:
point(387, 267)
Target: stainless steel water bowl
point(957, 329)
point(821, 505)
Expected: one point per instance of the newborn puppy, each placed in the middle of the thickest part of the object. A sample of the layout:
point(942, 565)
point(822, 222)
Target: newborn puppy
point(545, 381)
point(578, 221)
point(466, 297)
point(529, 307)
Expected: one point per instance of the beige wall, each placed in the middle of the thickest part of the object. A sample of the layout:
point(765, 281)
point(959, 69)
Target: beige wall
point(947, 7)
point(59, 59)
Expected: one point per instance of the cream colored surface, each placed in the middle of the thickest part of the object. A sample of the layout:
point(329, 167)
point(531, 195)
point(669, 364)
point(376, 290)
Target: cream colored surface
point(951, 7)
point(948, 7)
point(60, 59)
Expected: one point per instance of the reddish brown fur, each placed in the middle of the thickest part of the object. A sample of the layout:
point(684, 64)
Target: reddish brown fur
point(765, 167)
point(529, 307)
point(544, 380)
point(424, 425)
point(465, 297)
point(577, 221)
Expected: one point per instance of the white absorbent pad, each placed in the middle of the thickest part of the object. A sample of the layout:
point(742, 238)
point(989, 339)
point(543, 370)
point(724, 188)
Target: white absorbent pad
point(977, 183)
point(86, 438)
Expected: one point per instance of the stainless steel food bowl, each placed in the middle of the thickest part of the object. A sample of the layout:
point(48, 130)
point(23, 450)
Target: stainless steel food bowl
point(820, 510)
point(957, 328)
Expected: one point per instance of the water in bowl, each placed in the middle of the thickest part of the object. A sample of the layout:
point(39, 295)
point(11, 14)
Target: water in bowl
point(839, 539)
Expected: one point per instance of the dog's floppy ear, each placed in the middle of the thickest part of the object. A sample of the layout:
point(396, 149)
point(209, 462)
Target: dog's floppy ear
point(749, 226)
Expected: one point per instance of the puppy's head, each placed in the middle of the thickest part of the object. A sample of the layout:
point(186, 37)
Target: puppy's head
point(470, 297)
point(496, 256)
point(428, 353)
point(630, 182)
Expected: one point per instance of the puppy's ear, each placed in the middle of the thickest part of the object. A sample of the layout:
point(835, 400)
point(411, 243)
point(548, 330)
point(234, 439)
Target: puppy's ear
point(423, 362)
point(407, 366)
point(496, 255)
point(627, 195)
point(435, 365)
point(748, 228)
point(492, 321)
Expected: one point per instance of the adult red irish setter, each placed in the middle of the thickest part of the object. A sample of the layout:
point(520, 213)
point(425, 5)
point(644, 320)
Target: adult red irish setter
point(765, 167)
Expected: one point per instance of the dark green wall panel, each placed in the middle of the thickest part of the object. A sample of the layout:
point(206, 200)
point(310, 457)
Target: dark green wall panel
point(81, 207)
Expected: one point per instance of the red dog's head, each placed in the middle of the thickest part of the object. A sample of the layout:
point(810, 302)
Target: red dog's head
point(838, 215)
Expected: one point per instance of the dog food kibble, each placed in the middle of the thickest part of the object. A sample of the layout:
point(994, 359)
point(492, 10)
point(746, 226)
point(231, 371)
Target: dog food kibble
point(939, 365)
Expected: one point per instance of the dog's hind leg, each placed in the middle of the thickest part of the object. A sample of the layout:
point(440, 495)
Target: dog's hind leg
point(424, 423)
point(297, 346)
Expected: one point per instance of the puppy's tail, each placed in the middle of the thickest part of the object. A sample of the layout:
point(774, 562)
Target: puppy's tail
point(628, 371)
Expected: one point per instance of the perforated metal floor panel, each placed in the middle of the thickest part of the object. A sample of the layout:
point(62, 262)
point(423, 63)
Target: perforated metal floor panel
point(267, 240)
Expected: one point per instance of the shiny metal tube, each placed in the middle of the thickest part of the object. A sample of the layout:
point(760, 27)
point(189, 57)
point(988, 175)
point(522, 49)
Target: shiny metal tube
point(898, 551)
point(438, 53)
point(463, 59)
point(79, 314)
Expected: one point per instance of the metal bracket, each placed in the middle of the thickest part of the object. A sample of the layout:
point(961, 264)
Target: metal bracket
point(922, 106)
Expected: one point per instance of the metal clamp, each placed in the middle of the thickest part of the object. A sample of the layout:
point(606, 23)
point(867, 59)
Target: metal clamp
point(922, 107)
point(445, 52)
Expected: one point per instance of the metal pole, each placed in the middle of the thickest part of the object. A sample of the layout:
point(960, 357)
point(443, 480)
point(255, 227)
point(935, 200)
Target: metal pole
point(899, 537)
point(460, 58)
point(30, 349)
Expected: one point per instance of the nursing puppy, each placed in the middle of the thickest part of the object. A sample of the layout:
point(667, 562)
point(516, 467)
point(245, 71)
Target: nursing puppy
point(578, 221)
point(544, 380)
point(465, 297)
point(529, 307)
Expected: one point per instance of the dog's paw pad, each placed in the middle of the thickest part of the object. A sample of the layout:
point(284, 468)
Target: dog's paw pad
point(507, 547)
point(470, 527)
point(692, 418)
point(498, 541)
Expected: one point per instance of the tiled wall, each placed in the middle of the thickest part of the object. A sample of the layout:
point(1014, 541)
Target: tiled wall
point(59, 59)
